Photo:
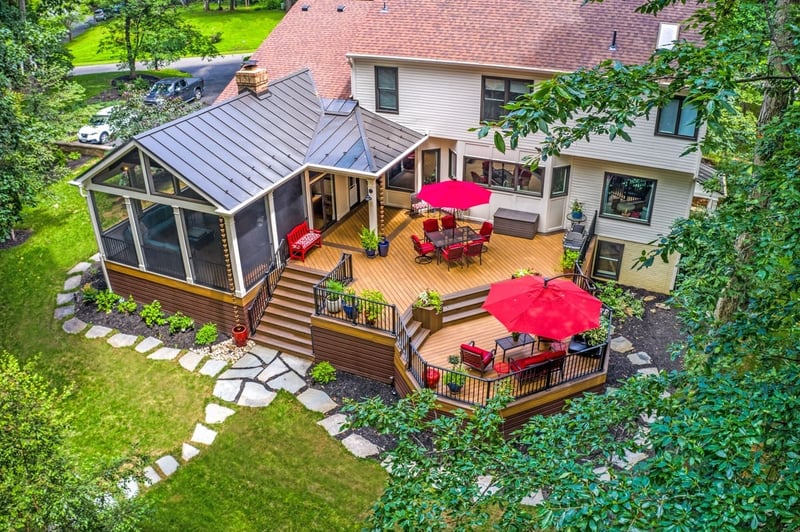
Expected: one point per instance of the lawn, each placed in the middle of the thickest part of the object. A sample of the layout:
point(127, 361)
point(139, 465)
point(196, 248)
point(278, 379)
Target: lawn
point(241, 31)
point(275, 460)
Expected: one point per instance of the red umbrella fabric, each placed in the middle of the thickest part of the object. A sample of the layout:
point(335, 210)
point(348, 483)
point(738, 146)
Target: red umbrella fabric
point(454, 194)
point(555, 308)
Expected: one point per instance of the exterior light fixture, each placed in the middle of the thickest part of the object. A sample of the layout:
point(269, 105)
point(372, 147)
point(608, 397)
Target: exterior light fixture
point(368, 197)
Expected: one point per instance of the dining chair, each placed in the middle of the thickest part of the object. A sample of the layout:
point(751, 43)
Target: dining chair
point(453, 253)
point(473, 249)
point(448, 222)
point(486, 232)
point(429, 225)
point(423, 249)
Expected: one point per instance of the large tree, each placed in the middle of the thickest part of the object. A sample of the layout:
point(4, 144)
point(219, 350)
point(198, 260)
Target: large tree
point(154, 32)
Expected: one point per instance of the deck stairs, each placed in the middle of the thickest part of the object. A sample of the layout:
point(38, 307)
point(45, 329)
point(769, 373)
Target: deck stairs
point(464, 305)
point(286, 324)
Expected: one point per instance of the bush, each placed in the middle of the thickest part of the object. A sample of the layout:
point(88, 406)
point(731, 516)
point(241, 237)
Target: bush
point(623, 303)
point(152, 314)
point(323, 372)
point(179, 322)
point(106, 300)
point(215, 37)
point(207, 334)
point(89, 294)
point(127, 306)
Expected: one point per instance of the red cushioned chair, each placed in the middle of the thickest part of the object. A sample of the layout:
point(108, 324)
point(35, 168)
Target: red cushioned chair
point(473, 249)
point(448, 222)
point(429, 225)
point(423, 249)
point(454, 253)
point(486, 232)
point(476, 357)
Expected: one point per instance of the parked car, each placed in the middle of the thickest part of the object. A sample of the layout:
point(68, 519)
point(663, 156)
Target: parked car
point(187, 89)
point(99, 14)
point(98, 131)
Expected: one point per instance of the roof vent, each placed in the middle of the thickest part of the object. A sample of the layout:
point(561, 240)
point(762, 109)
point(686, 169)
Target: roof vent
point(305, 7)
point(251, 77)
point(613, 46)
point(340, 8)
point(385, 8)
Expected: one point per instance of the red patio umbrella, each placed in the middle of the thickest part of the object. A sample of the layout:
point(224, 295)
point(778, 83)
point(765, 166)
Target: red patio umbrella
point(454, 194)
point(549, 308)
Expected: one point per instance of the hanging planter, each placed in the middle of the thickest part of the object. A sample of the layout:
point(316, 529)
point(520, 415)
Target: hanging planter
point(239, 333)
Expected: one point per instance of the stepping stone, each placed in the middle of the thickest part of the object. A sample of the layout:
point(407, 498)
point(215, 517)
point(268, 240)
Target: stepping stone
point(95, 257)
point(129, 487)
point(203, 434)
point(147, 344)
point(640, 359)
point(73, 326)
point(275, 368)
point(150, 476)
point(647, 299)
point(620, 344)
point(316, 400)
point(168, 464)
point(533, 499)
point(646, 372)
point(299, 365)
point(249, 361)
point(63, 299)
point(188, 452)
point(72, 283)
point(217, 413)
point(212, 367)
point(227, 390)
point(98, 331)
point(190, 360)
point(254, 394)
point(164, 353)
point(602, 473)
point(80, 268)
point(662, 306)
point(122, 340)
point(333, 424)
point(291, 382)
point(485, 485)
point(241, 373)
point(359, 446)
point(64, 312)
point(266, 354)
point(629, 460)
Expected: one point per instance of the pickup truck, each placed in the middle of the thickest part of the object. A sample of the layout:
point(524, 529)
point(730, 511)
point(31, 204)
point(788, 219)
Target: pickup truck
point(187, 89)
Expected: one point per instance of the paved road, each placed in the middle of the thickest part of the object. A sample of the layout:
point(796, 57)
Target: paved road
point(216, 72)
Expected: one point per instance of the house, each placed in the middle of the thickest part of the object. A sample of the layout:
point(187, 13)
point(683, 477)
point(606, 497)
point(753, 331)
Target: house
point(443, 67)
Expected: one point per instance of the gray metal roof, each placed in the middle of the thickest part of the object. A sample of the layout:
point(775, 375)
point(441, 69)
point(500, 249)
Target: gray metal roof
point(243, 146)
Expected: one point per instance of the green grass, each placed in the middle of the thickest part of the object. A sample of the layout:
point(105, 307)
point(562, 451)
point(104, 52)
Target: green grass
point(94, 84)
point(268, 469)
point(242, 31)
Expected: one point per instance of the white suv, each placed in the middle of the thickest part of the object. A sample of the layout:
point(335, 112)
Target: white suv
point(99, 15)
point(98, 131)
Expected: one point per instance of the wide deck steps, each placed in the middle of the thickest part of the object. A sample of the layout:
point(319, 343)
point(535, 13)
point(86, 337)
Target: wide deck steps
point(463, 306)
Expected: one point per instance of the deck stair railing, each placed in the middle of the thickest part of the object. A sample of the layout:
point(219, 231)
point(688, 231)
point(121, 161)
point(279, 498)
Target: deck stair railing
point(342, 272)
point(273, 274)
point(587, 240)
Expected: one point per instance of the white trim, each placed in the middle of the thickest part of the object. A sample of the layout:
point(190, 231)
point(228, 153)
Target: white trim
point(390, 58)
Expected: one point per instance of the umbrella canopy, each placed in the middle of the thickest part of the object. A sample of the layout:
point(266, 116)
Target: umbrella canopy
point(454, 194)
point(555, 308)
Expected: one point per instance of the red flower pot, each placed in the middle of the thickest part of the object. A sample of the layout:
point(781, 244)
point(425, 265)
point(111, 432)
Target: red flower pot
point(239, 335)
point(432, 377)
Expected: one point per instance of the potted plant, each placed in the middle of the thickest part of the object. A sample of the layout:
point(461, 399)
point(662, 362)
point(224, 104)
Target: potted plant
point(577, 209)
point(369, 241)
point(515, 336)
point(522, 272)
point(568, 260)
point(373, 305)
point(383, 247)
point(592, 338)
point(334, 295)
point(350, 303)
point(456, 378)
point(239, 333)
point(427, 309)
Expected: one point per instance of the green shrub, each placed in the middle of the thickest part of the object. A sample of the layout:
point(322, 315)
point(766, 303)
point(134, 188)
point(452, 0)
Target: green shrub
point(623, 303)
point(152, 314)
point(180, 322)
point(207, 334)
point(89, 293)
point(106, 300)
point(127, 306)
point(323, 372)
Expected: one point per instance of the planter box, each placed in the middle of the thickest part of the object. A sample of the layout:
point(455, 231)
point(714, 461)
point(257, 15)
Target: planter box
point(428, 317)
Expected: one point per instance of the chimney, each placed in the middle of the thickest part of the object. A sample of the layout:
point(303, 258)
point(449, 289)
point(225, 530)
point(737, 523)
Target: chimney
point(252, 78)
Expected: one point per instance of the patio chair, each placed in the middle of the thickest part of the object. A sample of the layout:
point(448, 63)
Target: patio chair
point(448, 222)
point(430, 225)
point(423, 249)
point(453, 253)
point(473, 249)
point(486, 232)
point(417, 206)
point(476, 357)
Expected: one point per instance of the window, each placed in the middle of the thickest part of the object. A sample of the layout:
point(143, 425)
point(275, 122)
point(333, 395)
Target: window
point(430, 166)
point(608, 259)
point(677, 119)
point(497, 92)
point(401, 175)
point(628, 198)
point(386, 89)
point(560, 185)
point(667, 34)
point(503, 175)
point(453, 163)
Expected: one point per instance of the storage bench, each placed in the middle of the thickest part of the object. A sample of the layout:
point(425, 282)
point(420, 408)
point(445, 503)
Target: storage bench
point(516, 223)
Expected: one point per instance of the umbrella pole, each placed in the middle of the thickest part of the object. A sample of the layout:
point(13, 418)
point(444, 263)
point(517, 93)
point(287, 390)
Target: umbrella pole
point(590, 286)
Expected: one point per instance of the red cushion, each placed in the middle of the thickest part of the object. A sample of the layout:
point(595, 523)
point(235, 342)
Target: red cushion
point(523, 363)
point(486, 358)
point(474, 349)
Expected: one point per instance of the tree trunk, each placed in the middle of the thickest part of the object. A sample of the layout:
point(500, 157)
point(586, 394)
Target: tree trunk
point(233, 5)
point(129, 50)
point(206, 5)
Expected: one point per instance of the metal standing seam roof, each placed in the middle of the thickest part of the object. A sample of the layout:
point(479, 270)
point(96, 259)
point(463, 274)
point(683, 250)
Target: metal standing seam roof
point(241, 147)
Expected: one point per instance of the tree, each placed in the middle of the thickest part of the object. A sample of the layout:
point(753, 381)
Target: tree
point(154, 32)
point(132, 116)
point(40, 488)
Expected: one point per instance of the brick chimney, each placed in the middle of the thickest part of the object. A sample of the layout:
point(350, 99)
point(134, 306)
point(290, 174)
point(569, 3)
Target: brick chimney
point(252, 78)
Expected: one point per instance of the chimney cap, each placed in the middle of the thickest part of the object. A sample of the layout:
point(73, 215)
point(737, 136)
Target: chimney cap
point(250, 63)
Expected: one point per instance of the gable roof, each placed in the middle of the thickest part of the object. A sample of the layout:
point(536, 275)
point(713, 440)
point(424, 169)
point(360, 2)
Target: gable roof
point(543, 35)
point(239, 148)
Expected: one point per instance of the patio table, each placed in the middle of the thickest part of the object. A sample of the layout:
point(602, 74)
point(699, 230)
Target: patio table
point(447, 237)
point(507, 342)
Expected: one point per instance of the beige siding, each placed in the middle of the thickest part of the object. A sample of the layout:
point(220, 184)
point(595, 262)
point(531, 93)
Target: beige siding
point(657, 278)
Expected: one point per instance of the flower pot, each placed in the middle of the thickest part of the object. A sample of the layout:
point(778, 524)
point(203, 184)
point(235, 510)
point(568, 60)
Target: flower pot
point(239, 333)
point(454, 387)
point(432, 377)
point(370, 253)
point(334, 305)
point(429, 318)
point(351, 311)
point(383, 247)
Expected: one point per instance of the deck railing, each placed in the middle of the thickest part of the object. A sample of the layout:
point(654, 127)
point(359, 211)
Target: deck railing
point(120, 250)
point(208, 273)
point(342, 272)
point(273, 274)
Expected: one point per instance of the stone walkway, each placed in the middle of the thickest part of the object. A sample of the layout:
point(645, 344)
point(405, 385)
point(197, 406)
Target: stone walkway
point(254, 380)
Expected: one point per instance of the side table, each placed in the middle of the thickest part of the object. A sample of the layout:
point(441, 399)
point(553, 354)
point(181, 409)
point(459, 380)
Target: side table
point(507, 342)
